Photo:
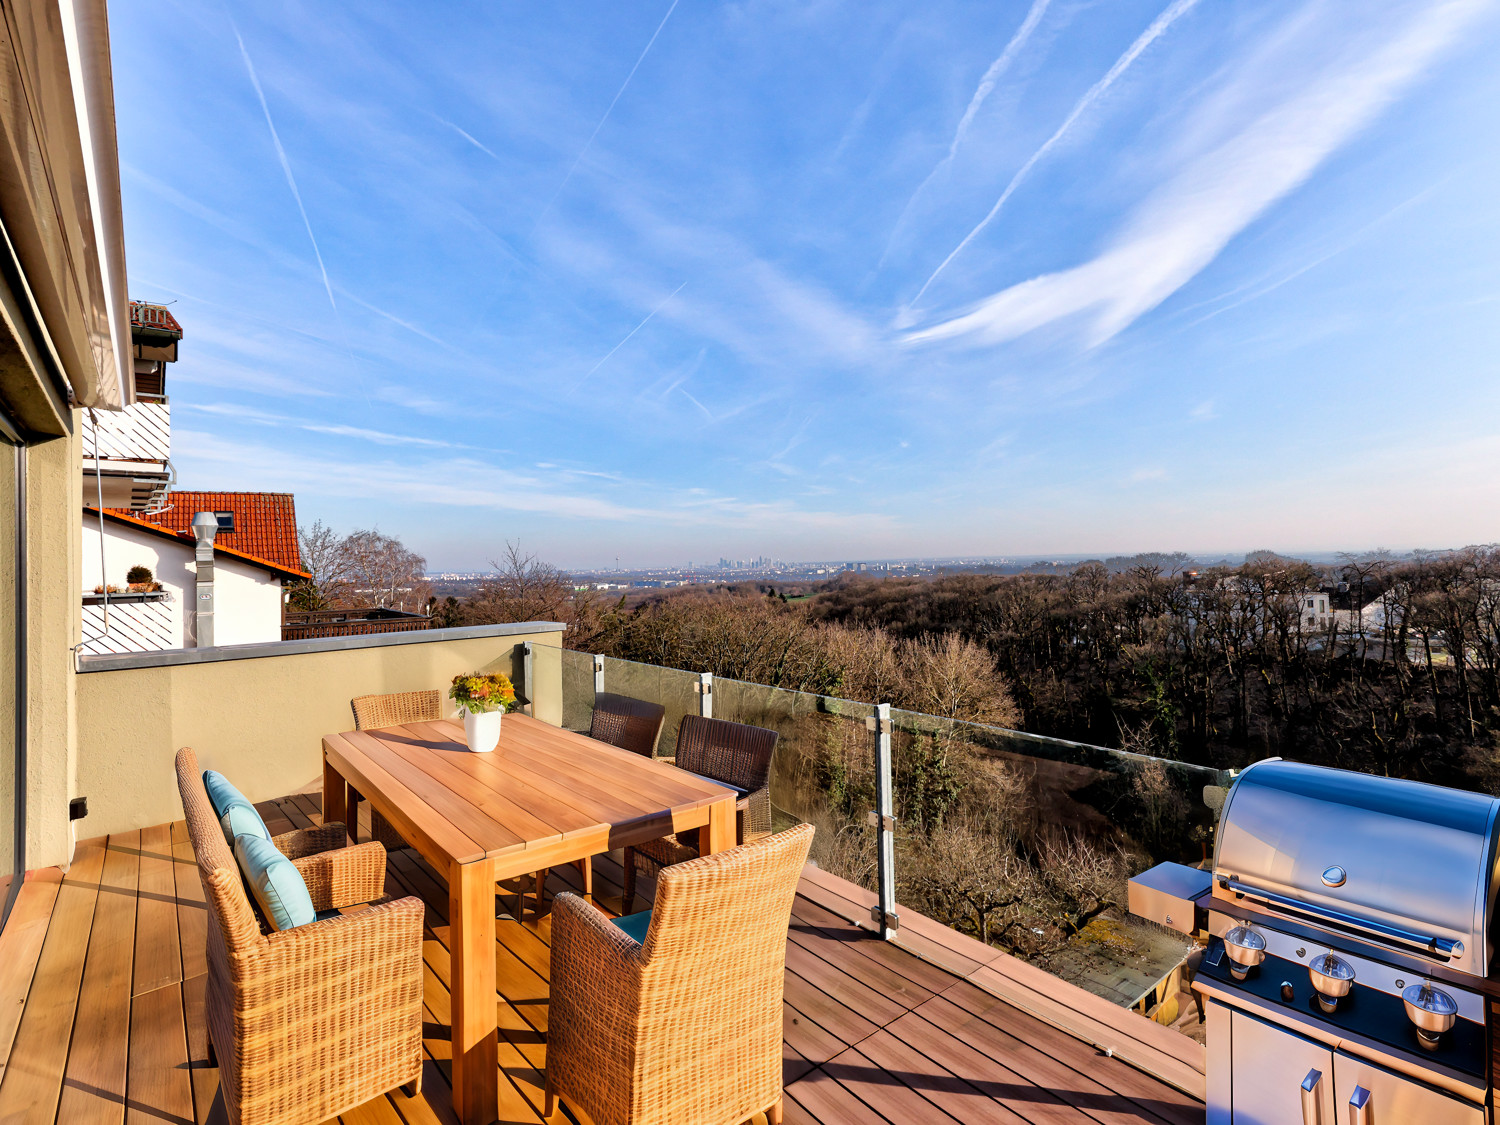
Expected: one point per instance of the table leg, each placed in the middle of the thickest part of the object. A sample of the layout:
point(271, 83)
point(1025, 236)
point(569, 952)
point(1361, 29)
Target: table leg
point(718, 834)
point(471, 943)
point(335, 795)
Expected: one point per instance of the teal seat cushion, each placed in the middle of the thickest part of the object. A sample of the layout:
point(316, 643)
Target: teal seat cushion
point(276, 884)
point(237, 816)
point(635, 925)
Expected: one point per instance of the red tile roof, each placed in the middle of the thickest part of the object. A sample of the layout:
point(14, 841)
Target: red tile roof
point(154, 318)
point(120, 515)
point(265, 523)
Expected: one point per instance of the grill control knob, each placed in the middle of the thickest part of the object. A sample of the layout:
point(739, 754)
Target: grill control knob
point(1432, 1010)
point(1334, 876)
point(1246, 949)
point(1331, 977)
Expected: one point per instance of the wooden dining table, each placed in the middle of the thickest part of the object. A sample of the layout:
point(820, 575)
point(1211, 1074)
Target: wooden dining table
point(543, 798)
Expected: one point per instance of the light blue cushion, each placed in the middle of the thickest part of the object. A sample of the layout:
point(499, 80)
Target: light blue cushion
point(237, 816)
point(635, 925)
point(276, 884)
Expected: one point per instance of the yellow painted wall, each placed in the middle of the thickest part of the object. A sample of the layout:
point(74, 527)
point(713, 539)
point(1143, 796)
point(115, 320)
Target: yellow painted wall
point(54, 531)
point(259, 721)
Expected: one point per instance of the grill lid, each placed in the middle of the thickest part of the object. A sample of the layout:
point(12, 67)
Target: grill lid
point(1399, 863)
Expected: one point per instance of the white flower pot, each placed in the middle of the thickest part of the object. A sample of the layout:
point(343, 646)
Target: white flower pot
point(482, 731)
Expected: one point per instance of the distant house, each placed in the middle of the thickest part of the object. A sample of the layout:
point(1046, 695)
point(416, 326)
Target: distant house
point(248, 589)
point(1315, 610)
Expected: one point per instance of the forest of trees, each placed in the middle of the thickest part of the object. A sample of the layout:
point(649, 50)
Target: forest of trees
point(1219, 666)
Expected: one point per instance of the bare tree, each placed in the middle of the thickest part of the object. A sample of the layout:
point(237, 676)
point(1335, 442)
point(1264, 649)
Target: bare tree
point(524, 588)
point(323, 556)
point(363, 568)
point(384, 572)
point(957, 679)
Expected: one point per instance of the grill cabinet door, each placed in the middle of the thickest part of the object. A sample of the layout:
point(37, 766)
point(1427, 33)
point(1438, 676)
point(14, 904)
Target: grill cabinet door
point(1392, 1099)
point(1270, 1066)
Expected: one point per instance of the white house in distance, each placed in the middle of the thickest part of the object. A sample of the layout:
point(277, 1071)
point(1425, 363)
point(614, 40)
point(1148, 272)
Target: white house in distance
point(1313, 605)
point(247, 589)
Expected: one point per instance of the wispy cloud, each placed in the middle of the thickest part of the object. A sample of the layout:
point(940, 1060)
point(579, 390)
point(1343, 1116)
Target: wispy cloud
point(628, 336)
point(466, 135)
point(286, 165)
point(333, 429)
point(469, 483)
point(618, 93)
point(1159, 26)
point(987, 83)
point(1184, 224)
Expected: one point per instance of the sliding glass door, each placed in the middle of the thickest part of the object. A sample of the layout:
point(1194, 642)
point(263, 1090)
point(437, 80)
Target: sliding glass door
point(12, 669)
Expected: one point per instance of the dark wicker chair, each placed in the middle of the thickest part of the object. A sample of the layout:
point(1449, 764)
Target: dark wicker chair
point(733, 753)
point(630, 724)
point(372, 711)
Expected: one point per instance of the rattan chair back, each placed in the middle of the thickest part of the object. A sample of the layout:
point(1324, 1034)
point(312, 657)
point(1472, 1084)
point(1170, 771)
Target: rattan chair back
point(310, 1022)
point(725, 751)
point(694, 1031)
point(371, 711)
point(631, 724)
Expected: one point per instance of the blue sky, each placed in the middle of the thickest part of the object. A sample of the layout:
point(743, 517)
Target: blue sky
point(826, 279)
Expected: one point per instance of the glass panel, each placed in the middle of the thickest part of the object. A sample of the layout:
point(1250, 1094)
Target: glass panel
point(1027, 842)
point(577, 689)
point(823, 772)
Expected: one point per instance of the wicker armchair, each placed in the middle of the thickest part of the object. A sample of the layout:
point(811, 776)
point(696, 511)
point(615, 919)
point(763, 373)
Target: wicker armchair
point(307, 1023)
point(736, 754)
point(371, 711)
point(630, 724)
point(687, 1026)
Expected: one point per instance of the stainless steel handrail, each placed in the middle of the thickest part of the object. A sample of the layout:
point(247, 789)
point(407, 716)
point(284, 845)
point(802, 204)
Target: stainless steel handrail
point(1446, 948)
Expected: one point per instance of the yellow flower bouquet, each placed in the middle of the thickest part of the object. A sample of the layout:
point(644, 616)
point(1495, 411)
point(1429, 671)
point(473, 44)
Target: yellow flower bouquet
point(479, 693)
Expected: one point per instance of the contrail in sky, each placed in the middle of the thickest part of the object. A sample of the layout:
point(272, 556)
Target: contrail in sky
point(629, 334)
point(981, 92)
point(286, 165)
point(588, 143)
point(1147, 37)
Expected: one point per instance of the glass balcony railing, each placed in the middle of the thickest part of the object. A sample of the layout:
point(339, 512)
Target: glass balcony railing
point(1021, 841)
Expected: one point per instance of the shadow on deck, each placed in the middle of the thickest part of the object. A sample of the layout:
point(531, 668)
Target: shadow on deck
point(101, 1008)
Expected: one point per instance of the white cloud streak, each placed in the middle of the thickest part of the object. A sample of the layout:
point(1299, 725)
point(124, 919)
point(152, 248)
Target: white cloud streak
point(628, 335)
point(982, 92)
point(470, 138)
point(1158, 27)
point(618, 93)
point(468, 483)
point(286, 165)
point(334, 429)
point(1185, 223)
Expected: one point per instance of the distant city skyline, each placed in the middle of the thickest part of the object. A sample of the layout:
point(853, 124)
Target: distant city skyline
point(845, 279)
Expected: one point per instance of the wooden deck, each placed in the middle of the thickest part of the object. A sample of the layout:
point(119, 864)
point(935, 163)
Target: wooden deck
point(101, 1010)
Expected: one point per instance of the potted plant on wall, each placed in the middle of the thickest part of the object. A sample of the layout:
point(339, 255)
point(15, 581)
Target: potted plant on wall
point(141, 580)
point(482, 698)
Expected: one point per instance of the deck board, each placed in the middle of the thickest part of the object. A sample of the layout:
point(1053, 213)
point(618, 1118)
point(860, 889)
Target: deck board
point(873, 1034)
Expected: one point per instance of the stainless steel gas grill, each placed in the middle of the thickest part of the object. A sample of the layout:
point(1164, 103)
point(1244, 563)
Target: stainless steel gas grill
point(1346, 973)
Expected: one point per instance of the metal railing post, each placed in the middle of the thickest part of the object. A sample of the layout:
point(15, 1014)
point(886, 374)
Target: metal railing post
point(526, 666)
point(598, 677)
point(883, 819)
point(705, 689)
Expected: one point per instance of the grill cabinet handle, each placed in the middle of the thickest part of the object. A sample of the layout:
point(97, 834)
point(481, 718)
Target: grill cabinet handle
point(1429, 944)
point(1312, 1104)
point(1359, 1107)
